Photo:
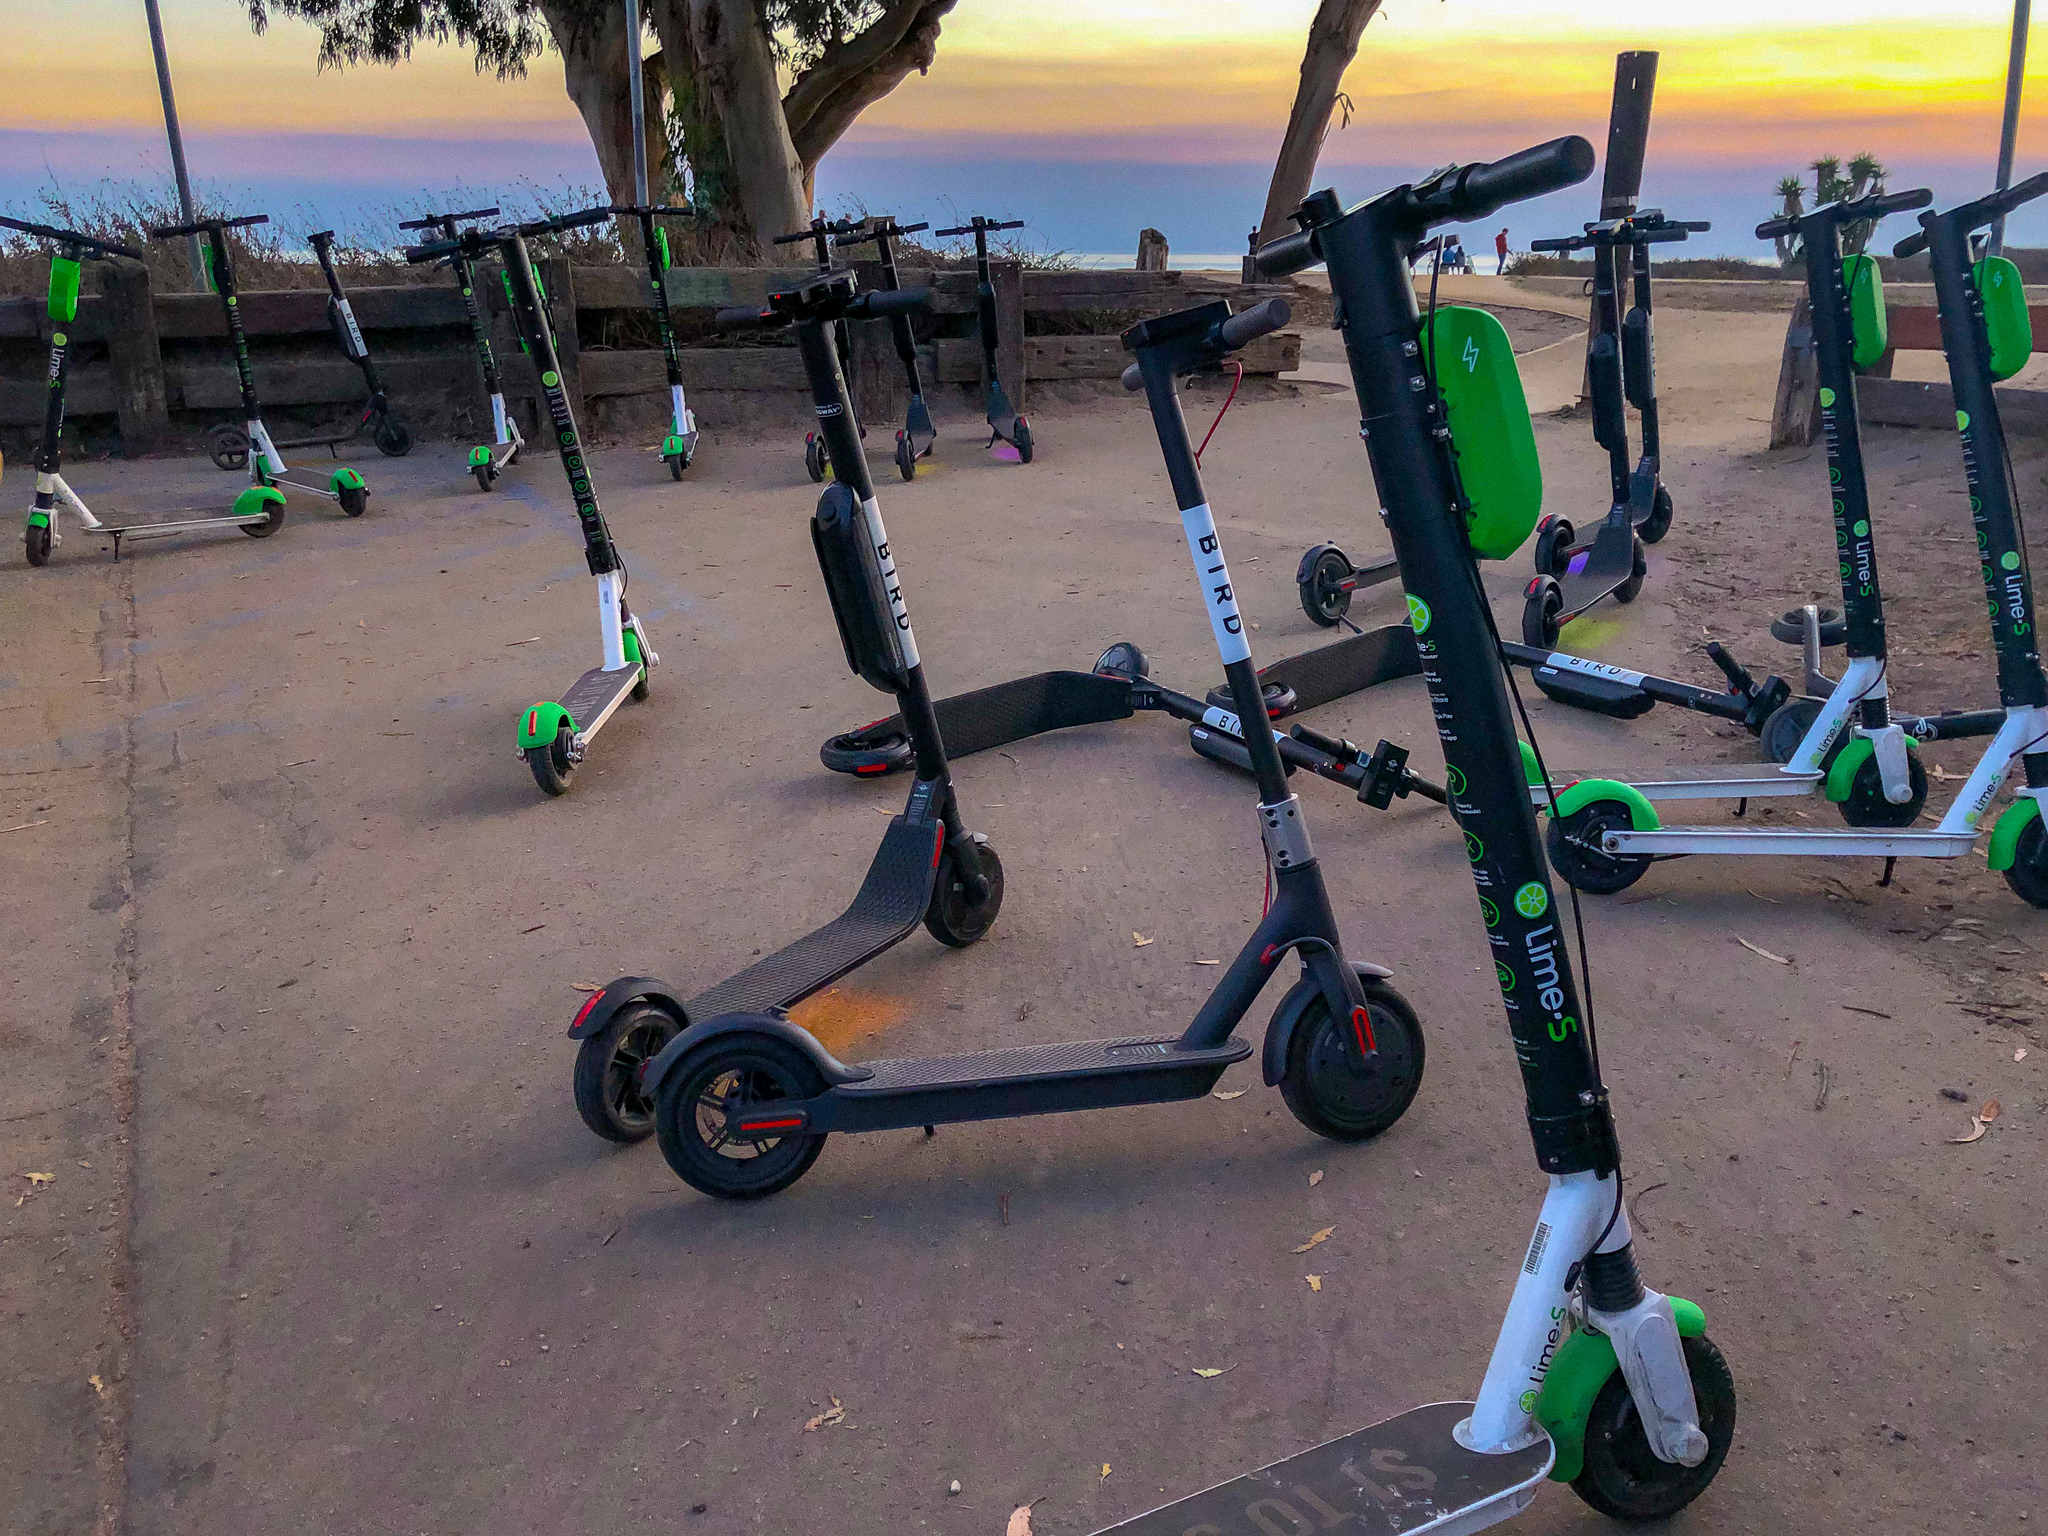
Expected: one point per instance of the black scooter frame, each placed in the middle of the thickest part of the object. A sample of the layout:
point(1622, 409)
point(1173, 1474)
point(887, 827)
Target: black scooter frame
point(914, 441)
point(391, 432)
point(821, 233)
point(679, 444)
point(1005, 425)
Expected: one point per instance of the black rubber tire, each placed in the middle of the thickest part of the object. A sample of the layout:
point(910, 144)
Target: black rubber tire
point(757, 1068)
point(1787, 727)
point(486, 476)
point(1023, 441)
point(1281, 700)
point(906, 460)
point(1123, 659)
point(36, 544)
point(606, 1081)
point(2028, 876)
point(1327, 1094)
point(393, 436)
point(1622, 1478)
point(1791, 628)
point(1866, 805)
point(228, 447)
point(354, 499)
point(1573, 845)
point(814, 457)
point(855, 754)
point(1639, 567)
point(950, 917)
point(551, 767)
point(1322, 599)
point(1658, 523)
point(642, 688)
point(1541, 605)
point(269, 525)
point(1553, 547)
point(676, 466)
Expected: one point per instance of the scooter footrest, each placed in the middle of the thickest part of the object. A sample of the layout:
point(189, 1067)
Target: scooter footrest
point(1399, 1477)
point(1346, 666)
point(1020, 708)
point(593, 696)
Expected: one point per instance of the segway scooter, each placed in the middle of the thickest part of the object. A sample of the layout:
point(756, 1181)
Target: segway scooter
point(555, 734)
point(1009, 433)
point(679, 447)
point(820, 234)
point(249, 443)
point(1605, 834)
point(487, 460)
point(1595, 1379)
point(743, 1099)
point(914, 441)
point(1572, 577)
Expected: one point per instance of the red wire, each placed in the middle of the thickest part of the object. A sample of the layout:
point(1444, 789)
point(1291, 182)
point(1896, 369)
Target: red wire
point(1239, 379)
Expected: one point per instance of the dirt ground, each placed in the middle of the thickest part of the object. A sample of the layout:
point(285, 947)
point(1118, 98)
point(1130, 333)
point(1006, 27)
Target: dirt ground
point(322, 1245)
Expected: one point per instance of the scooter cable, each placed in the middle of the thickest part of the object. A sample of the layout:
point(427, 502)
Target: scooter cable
point(1238, 363)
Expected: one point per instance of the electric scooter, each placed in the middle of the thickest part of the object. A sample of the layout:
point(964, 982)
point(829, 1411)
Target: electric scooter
point(679, 447)
point(488, 460)
point(743, 1099)
point(555, 734)
point(1572, 577)
point(820, 234)
point(253, 514)
point(917, 436)
point(1605, 834)
point(1595, 1379)
point(249, 443)
point(1005, 426)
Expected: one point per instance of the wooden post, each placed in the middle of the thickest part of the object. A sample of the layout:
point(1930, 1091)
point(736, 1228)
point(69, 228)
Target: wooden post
point(140, 398)
point(1151, 251)
point(559, 280)
point(1795, 414)
point(1007, 277)
point(877, 387)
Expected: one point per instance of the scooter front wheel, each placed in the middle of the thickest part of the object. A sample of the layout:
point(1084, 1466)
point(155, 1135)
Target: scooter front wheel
point(1542, 610)
point(1623, 1478)
point(36, 542)
point(814, 457)
point(906, 458)
point(2028, 875)
point(1553, 546)
point(1324, 597)
point(1639, 567)
point(1327, 1091)
point(1866, 805)
point(1023, 441)
point(1576, 854)
point(953, 917)
point(393, 437)
point(228, 446)
point(698, 1104)
point(607, 1080)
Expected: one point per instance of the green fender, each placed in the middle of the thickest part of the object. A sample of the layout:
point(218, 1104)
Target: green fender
point(39, 519)
point(1642, 816)
point(1532, 775)
point(478, 457)
point(63, 290)
point(257, 500)
point(1584, 1362)
point(539, 726)
point(2005, 837)
point(630, 642)
point(673, 447)
point(1848, 763)
point(345, 479)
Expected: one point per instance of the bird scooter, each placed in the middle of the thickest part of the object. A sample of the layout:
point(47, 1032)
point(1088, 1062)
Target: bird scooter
point(679, 447)
point(487, 460)
point(249, 444)
point(743, 1099)
point(1595, 1379)
point(1605, 834)
point(915, 439)
point(821, 234)
point(1009, 433)
point(555, 734)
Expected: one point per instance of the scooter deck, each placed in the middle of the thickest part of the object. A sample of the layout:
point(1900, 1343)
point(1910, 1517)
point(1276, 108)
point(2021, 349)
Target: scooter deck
point(1351, 665)
point(1398, 1477)
point(594, 697)
point(1609, 563)
point(889, 903)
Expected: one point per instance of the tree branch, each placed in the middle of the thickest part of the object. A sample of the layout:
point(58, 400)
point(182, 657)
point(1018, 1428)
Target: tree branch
point(850, 77)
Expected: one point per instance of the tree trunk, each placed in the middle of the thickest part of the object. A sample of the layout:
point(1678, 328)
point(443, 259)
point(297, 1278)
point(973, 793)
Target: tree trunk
point(852, 76)
point(734, 72)
point(1332, 43)
point(593, 48)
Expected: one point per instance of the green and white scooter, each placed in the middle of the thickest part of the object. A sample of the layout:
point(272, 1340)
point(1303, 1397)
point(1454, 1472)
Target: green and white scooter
point(555, 734)
point(487, 460)
point(679, 447)
point(268, 475)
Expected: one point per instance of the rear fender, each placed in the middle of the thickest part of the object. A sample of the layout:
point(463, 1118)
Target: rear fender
point(542, 723)
point(1642, 816)
point(830, 1067)
point(1273, 1058)
point(1309, 558)
point(603, 1005)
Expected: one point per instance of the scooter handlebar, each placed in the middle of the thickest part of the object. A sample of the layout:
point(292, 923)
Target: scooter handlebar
point(433, 220)
point(172, 231)
point(1287, 255)
point(433, 250)
point(1251, 324)
point(1985, 210)
point(71, 237)
point(1479, 190)
point(986, 226)
point(745, 317)
point(892, 231)
point(1873, 207)
point(1566, 243)
point(893, 301)
point(564, 221)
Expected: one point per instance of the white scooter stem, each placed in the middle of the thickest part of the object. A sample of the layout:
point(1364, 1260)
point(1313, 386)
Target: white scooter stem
point(608, 625)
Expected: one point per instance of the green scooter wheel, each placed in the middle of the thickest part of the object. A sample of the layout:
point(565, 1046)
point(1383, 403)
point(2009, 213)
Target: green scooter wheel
point(1623, 1478)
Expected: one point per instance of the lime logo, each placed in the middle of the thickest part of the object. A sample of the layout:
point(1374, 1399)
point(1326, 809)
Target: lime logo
point(551, 378)
point(1418, 614)
point(59, 340)
point(1561, 1029)
point(1532, 900)
point(2010, 560)
point(1827, 397)
point(1962, 421)
point(1473, 848)
point(1504, 976)
point(232, 301)
point(1862, 528)
point(1528, 1402)
point(1470, 356)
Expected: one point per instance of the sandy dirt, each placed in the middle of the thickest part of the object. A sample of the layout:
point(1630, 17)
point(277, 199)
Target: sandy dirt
point(295, 940)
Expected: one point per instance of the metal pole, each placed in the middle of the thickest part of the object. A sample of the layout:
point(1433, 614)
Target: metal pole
point(163, 85)
point(633, 88)
point(2015, 70)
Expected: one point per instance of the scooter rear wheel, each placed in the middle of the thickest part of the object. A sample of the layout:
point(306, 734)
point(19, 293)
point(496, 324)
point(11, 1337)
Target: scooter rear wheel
point(607, 1080)
point(1023, 441)
point(1639, 567)
point(393, 437)
point(1658, 523)
point(1787, 727)
point(1623, 1478)
point(1576, 854)
point(1327, 1092)
point(1790, 628)
point(952, 917)
point(36, 542)
point(1323, 596)
point(486, 476)
point(269, 525)
point(551, 765)
point(691, 1116)
point(354, 499)
point(854, 753)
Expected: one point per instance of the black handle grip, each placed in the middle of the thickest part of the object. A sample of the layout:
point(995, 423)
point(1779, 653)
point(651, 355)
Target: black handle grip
point(1912, 245)
point(433, 250)
point(1738, 676)
point(2000, 203)
point(172, 231)
point(564, 221)
point(1891, 202)
point(1133, 377)
point(1772, 229)
point(893, 301)
point(71, 237)
point(1249, 326)
point(1287, 255)
point(745, 317)
point(1482, 189)
point(320, 237)
point(1569, 243)
point(433, 220)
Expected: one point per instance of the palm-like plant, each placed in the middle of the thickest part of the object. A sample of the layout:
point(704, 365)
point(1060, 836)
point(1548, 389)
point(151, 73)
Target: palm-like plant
point(1864, 176)
point(1791, 192)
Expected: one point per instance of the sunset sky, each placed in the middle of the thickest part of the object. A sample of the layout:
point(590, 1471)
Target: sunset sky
point(1087, 117)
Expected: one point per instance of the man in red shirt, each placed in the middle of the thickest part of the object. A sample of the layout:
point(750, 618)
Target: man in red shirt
point(1500, 251)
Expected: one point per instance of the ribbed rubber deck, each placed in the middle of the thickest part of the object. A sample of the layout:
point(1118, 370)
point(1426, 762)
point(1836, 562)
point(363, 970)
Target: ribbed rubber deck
point(1020, 708)
point(593, 696)
point(1014, 1064)
point(890, 902)
point(1346, 666)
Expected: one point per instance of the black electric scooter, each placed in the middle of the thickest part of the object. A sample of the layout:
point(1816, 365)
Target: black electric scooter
point(487, 461)
point(1571, 577)
point(917, 436)
point(679, 446)
point(1005, 426)
point(821, 234)
point(743, 1099)
point(1594, 1378)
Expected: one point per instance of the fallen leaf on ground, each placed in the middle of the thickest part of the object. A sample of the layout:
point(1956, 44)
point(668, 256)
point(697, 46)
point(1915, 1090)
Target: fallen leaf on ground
point(1315, 1282)
point(1321, 1237)
point(99, 1387)
point(2020, 1054)
point(1235, 1093)
point(585, 986)
point(1206, 1371)
point(833, 1415)
point(1757, 949)
point(37, 1180)
point(1138, 940)
point(1991, 1111)
point(1315, 1178)
point(1020, 1521)
point(1105, 1469)
point(1976, 1130)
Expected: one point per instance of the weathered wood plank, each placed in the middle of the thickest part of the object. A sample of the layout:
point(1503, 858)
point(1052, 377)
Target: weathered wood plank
point(739, 368)
point(313, 381)
point(136, 360)
point(1007, 278)
point(1907, 403)
point(1098, 357)
point(296, 311)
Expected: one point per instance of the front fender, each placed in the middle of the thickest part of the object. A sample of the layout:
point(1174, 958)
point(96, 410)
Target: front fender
point(1642, 816)
point(1849, 761)
point(603, 1005)
point(1273, 1058)
point(2005, 836)
point(1582, 1365)
point(830, 1067)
